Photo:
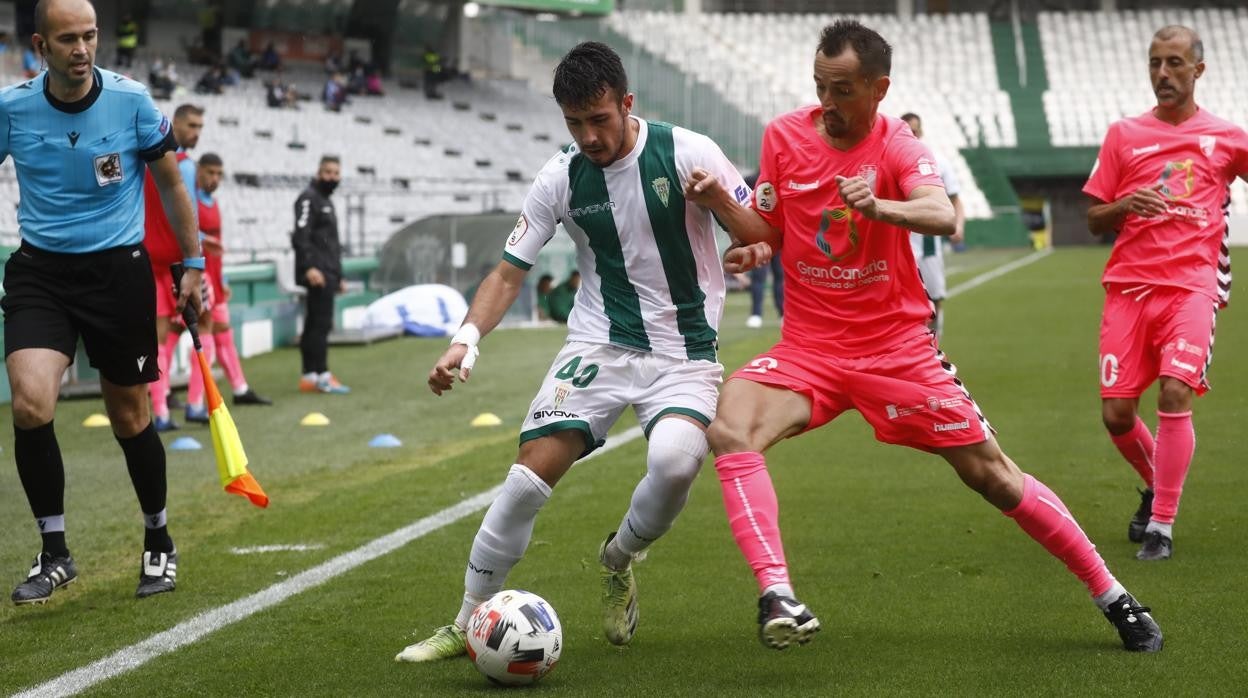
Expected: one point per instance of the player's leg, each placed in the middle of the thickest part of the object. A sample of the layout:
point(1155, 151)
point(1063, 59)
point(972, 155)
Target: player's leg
point(1042, 515)
point(1186, 334)
point(758, 289)
point(777, 285)
point(227, 356)
point(504, 535)
point(675, 407)
point(39, 342)
point(1128, 365)
point(758, 407)
point(314, 343)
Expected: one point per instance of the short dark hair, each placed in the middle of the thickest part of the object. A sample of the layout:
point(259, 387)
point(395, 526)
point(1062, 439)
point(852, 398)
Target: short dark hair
point(911, 115)
point(185, 110)
point(210, 160)
point(329, 158)
point(875, 56)
point(586, 72)
point(1172, 31)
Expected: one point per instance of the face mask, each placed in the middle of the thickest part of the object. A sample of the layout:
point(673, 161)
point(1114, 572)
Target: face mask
point(326, 187)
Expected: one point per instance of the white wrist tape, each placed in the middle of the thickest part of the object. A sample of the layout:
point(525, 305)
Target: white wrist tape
point(468, 335)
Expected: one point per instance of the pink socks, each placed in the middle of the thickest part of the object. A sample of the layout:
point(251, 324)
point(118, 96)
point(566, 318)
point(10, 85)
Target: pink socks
point(1137, 447)
point(1043, 516)
point(159, 388)
point(227, 356)
point(754, 515)
point(195, 385)
point(1176, 442)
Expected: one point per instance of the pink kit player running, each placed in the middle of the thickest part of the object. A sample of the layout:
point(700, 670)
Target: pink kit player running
point(1162, 182)
point(840, 185)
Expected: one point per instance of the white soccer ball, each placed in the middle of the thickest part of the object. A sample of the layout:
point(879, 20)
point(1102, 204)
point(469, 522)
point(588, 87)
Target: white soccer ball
point(514, 638)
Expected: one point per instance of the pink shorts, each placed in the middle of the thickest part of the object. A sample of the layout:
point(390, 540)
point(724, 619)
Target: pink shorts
point(166, 304)
point(910, 394)
point(1151, 331)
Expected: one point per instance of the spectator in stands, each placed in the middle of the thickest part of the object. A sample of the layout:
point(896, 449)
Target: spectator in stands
point(163, 250)
point(929, 251)
point(162, 79)
point(544, 286)
point(214, 324)
point(357, 84)
point(269, 59)
point(372, 82)
point(354, 61)
point(335, 93)
point(333, 63)
point(562, 297)
point(318, 268)
point(758, 282)
point(433, 73)
point(212, 82)
point(127, 40)
point(241, 60)
point(1161, 181)
point(280, 95)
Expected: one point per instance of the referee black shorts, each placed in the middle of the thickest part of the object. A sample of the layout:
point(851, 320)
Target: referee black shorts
point(108, 298)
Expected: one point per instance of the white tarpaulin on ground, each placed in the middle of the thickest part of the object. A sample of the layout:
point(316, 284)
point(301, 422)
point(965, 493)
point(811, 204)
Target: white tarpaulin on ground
point(426, 310)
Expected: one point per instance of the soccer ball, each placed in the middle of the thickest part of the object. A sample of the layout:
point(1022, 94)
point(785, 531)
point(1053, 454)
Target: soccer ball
point(514, 638)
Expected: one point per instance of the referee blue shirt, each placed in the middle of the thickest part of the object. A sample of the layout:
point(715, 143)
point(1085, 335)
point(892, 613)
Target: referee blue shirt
point(80, 165)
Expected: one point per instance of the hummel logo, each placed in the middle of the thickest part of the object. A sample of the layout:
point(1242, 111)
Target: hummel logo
point(791, 609)
point(1147, 149)
point(803, 186)
point(141, 360)
point(73, 138)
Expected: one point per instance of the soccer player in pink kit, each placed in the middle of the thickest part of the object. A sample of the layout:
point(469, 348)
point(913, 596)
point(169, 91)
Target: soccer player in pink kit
point(1162, 181)
point(840, 185)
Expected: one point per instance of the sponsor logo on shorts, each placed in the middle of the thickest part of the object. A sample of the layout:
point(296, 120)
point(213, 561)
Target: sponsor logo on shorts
point(953, 426)
point(140, 361)
point(1186, 347)
point(554, 414)
point(931, 404)
point(892, 411)
point(1183, 365)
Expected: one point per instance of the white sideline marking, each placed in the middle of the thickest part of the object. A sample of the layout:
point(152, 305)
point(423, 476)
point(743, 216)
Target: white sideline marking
point(189, 631)
point(998, 272)
point(295, 548)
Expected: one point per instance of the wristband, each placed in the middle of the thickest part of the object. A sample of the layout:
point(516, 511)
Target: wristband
point(468, 334)
point(193, 263)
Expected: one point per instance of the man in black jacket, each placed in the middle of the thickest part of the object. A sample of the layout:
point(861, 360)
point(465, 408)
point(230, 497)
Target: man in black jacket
point(318, 268)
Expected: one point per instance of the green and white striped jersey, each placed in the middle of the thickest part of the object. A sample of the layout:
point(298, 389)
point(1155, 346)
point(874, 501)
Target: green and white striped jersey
point(651, 275)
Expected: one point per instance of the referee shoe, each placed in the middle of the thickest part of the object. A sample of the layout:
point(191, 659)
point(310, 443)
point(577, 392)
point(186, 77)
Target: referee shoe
point(46, 576)
point(158, 574)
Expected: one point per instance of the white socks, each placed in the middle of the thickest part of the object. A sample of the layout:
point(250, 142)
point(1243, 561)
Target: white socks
point(503, 537)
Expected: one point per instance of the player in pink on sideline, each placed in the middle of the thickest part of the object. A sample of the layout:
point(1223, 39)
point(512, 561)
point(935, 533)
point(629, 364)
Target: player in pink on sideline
point(840, 185)
point(1162, 182)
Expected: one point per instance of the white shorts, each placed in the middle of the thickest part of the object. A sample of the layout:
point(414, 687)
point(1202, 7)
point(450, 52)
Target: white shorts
point(932, 269)
point(589, 385)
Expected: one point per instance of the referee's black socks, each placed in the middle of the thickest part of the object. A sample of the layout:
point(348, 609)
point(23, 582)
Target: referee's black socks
point(42, 472)
point(145, 459)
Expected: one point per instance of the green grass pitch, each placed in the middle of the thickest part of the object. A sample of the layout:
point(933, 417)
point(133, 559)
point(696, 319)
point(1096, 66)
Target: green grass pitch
point(921, 587)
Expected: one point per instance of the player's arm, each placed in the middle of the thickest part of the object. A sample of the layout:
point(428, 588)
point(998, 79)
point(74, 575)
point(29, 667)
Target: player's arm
point(959, 218)
point(494, 296)
point(927, 211)
point(177, 204)
point(1144, 202)
point(307, 214)
point(743, 223)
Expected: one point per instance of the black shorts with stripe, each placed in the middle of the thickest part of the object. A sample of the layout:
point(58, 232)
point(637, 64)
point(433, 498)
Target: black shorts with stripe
point(107, 298)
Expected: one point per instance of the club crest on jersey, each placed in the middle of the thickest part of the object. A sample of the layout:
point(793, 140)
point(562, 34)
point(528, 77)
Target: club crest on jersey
point(108, 169)
point(1176, 180)
point(1208, 144)
point(836, 216)
point(867, 172)
point(517, 233)
point(662, 188)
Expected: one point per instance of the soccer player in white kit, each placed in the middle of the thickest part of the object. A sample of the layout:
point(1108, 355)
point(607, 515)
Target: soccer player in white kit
point(929, 252)
point(642, 333)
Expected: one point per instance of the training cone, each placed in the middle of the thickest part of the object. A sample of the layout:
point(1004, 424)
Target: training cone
point(184, 443)
point(486, 419)
point(95, 420)
point(314, 419)
point(385, 441)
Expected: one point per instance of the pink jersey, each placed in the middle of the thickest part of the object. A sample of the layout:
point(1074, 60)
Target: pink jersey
point(1194, 163)
point(851, 284)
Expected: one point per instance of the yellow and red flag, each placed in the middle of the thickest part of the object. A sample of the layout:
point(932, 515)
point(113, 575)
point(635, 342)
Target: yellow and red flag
point(231, 459)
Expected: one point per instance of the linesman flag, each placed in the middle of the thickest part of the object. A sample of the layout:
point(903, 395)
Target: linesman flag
point(228, 447)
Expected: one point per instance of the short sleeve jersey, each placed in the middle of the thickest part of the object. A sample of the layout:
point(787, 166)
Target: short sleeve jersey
point(1192, 165)
point(80, 165)
point(651, 275)
point(851, 284)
